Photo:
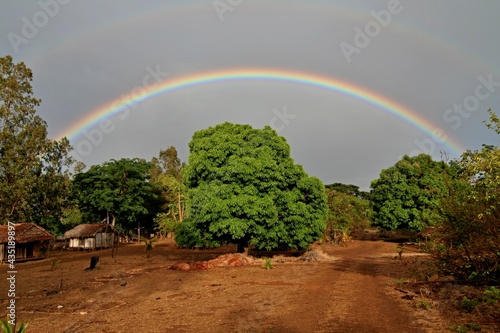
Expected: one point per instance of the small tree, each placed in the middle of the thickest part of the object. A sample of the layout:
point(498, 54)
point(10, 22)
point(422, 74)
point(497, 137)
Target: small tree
point(346, 213)
point(166, 224)
point(148, 245)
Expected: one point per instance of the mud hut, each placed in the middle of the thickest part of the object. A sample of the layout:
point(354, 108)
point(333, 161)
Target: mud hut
point(91, 236)
point(31, 241)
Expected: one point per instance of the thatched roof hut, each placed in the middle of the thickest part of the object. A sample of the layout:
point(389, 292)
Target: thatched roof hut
point(91, 236)
point(31, 241)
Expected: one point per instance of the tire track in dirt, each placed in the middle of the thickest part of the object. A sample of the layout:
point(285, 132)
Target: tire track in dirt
point(360, 301)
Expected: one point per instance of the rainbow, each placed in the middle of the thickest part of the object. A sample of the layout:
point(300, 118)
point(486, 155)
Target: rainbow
point(239, 74)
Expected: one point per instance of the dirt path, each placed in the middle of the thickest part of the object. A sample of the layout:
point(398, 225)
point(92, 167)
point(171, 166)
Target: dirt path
point(362, 300)
point(351, 293)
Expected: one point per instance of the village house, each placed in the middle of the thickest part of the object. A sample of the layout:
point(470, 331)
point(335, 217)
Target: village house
point(32, 241)
point(91, 236)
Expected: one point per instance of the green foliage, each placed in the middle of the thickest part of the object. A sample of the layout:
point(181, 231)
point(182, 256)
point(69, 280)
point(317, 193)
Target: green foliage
point(148, 243)
point(400, 281)
point(424, 304)
point(465, 329)
point(469, 305)
point(166, 173)
point(491, 295)
point(7, 327)
point(34, 181)
point(244, 188)
point(53, 263)
point(468, 243)
point(400, 250)
point(72, 216)
point(165, 224)
point(187, 235)
point(174, 196)
point(348, 189)
point(407, 195)
point(268, 264)
point(120, 188)
point(346, 213)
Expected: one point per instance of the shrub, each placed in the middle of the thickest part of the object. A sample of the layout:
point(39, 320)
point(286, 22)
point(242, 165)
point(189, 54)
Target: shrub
point(7, 327)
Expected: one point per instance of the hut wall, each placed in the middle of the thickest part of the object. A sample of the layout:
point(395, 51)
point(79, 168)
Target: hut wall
point(74, 243)
point(24, 251)
point(89, 243)
point(100, 240)
point(21, 251)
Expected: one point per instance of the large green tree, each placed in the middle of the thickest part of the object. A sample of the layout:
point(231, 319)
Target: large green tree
point(34, 180)
point(245, 188)
point(407, 195)
point(120, 190)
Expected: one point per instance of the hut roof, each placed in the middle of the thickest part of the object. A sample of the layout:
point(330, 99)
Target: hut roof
point(87, 230)
point(25, 233)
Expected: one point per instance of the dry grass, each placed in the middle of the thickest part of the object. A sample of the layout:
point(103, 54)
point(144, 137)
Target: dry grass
point(456, 307)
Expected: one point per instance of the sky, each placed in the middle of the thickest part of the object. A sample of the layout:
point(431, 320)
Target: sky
point(352, 85)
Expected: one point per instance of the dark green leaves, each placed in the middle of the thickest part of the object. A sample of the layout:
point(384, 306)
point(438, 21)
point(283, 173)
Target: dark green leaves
point(244, 187)
point(120, 188)
point(407, 195)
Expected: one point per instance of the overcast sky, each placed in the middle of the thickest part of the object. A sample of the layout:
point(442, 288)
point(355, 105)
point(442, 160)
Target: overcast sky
point(436, 58)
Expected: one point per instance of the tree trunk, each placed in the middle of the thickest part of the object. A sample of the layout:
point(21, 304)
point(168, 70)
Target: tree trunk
point(243, 246)
point(179, 207)
point(93, 262)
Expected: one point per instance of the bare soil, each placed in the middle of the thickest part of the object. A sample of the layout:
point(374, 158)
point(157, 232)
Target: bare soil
point(350, 290)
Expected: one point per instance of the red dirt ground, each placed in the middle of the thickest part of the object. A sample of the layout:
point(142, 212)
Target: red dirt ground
point(353, 291)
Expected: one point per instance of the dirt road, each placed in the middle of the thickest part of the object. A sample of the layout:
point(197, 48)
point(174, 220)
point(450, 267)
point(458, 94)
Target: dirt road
point(353, 292)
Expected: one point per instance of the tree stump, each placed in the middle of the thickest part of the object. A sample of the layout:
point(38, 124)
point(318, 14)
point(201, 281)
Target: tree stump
point(93, 262)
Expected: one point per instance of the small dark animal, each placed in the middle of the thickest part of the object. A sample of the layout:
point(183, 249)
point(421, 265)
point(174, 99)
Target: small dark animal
point(93, 262)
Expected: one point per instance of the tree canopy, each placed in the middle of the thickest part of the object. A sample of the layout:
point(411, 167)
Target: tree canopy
point(347, 212)
point(245, 188)
point(119, 189)
point(166, 172)
point(407, 195)
point(34, 181)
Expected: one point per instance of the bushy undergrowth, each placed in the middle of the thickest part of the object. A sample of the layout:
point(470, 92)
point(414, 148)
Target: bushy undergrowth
point(467, 243)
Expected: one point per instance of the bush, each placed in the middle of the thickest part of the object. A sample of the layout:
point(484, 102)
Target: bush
point(7, 327)
point(468, 238)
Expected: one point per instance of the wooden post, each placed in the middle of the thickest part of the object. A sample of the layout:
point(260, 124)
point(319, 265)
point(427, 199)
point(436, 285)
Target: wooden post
point(139, 232)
